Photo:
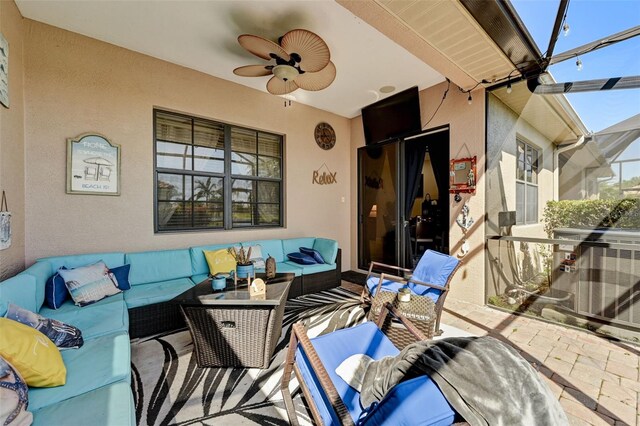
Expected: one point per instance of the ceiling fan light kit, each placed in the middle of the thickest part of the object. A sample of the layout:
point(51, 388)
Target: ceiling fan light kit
point(302, 61)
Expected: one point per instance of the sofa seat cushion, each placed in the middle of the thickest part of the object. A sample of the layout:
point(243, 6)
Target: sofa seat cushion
point(287, 267)
point(105, 406)
point(198, 278)
point(19, 290)
point(99, 319)
point(155, 266)
point(314, 268)
point(148, 294)
point(101, 361)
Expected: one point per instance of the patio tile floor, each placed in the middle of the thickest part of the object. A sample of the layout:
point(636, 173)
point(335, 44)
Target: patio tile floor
point(596, 380)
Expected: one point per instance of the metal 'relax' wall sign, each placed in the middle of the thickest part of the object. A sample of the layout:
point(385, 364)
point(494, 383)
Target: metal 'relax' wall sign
point(324, 176)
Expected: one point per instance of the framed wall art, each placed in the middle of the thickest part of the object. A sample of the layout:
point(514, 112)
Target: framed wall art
point(93, 165)
point(4, 71)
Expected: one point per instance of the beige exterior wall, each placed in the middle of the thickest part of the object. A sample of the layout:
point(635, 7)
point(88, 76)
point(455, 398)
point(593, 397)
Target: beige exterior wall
point(504, 126)
point(12, 145)
point(75, 84)
point(467, 130)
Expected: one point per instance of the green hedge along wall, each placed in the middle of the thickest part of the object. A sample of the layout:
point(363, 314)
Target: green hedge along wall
point(590, 214)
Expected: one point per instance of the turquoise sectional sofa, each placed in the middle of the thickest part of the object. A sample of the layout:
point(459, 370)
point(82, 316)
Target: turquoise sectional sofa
point(97, 390)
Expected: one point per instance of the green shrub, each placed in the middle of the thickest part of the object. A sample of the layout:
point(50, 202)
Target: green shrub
point(590, 214)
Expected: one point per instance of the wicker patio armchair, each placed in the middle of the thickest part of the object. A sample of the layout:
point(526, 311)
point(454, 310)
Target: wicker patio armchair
point(332, 401)
point(438, 270)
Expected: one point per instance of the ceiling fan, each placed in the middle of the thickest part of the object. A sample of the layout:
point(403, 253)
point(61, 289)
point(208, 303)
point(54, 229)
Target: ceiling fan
point(302, 61)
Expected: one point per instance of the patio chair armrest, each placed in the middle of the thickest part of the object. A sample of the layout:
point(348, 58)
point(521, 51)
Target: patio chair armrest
point(426, 284)
point(389, 277)
point(390, 310)
point(321, 373)
point(385, 265)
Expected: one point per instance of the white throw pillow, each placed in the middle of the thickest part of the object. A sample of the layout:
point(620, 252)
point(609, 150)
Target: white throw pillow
point(88, 284)
point(352, 370)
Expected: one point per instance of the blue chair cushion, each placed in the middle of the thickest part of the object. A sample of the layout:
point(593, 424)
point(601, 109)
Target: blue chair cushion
point(328, 249)
point(335, 347)
point(155, 266)
point(106, 406)
point(418, 400)
point(55, 291)
point(148, 294)
point(301, 258)
point(101, 361)
point(107, 316)
point(121, 273)
point(313, 253)
point(314, 268)
point(394, 286)
point(293, 244)
point(19, 290)
point(435, 268)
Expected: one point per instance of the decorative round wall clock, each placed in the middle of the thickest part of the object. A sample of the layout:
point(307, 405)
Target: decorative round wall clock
point(325, 136)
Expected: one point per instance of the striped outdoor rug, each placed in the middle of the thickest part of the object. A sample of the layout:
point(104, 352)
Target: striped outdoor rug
point(169, 388)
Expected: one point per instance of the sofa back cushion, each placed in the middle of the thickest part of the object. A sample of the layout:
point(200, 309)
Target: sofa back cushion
point(155, 266)
point(292, 245)
point(19, 290)
point(271, 248)
point(41, 271)
point(112, 260)
point(328, 249)
point(198, 262)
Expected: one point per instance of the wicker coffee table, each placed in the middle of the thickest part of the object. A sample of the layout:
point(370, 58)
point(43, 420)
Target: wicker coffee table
point(231, 329)
point(420, 310)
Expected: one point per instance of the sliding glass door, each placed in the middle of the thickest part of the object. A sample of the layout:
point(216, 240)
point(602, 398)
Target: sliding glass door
point(379, 210)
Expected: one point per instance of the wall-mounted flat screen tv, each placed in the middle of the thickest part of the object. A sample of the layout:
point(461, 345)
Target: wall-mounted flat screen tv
point(393, 117)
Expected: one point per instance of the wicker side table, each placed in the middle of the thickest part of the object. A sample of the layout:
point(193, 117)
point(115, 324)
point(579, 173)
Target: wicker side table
point(420, 310)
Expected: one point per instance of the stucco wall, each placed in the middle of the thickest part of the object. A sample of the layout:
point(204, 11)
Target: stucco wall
point(503, 125)
point(467, 135)
point(12, 140)
point(75, 84)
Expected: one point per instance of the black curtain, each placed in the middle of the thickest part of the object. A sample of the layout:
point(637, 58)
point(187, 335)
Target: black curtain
point(415, 150)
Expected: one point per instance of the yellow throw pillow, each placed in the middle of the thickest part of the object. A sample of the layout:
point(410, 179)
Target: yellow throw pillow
point(33, 354)
point(219, 261)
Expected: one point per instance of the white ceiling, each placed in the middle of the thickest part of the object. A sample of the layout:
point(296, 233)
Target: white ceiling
point(202, 35)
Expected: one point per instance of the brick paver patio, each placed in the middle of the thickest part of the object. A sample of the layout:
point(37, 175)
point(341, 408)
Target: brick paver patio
point(596, 380)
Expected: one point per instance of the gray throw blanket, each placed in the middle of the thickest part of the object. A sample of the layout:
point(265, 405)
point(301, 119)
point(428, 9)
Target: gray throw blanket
point(485, 381)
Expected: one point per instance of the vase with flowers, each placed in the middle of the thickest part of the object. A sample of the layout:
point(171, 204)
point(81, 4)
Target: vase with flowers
point(244, 266)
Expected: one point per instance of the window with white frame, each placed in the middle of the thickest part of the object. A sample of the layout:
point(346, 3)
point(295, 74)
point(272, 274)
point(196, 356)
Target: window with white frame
point(527, 159)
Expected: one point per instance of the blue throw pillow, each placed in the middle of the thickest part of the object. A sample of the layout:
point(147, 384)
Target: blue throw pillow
point(64, 336)
point(313, 253)
point(121, 276)
point(301, 258)
point(55, 291)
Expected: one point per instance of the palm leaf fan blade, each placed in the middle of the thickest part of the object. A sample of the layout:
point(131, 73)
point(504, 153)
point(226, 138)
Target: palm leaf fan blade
point(275, 86)
point(262, 47)
point(313, 51)
point(252, 71)
point(314, 81)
